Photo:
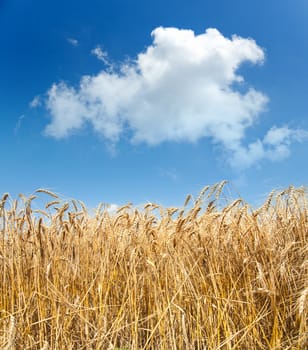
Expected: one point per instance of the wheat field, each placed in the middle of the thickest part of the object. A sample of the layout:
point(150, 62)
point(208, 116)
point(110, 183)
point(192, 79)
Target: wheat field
point(203, 276)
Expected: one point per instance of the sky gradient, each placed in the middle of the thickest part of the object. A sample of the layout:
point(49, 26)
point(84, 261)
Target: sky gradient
point(149, 101)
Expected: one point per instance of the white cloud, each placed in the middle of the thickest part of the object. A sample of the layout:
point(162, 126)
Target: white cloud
point(170, 173)
point(277, 141)
point(275, 146)
point(284, 135)
point(100, 54)
point(35, 102)
point(66, 109)
point(18, 124)
point(182, 88)
point(73, 41)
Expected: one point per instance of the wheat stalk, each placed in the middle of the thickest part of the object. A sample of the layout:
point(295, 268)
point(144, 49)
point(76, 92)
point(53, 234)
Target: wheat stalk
point(11, 334)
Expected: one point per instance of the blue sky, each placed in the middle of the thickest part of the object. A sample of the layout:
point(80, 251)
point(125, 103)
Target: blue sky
point(140, 101)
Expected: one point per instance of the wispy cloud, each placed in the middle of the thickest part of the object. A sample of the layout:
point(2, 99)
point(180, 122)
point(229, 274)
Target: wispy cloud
point(184, 87)
point(72, 41)
point(100, 54)
point(169, 173)
point(18, 123)
point(35, 102)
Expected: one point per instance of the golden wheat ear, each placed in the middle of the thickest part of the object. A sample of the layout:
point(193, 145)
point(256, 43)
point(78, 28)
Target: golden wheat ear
point(50, 193)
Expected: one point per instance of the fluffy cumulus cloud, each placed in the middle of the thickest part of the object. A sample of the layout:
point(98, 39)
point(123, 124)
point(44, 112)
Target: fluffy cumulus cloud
point(182, 88)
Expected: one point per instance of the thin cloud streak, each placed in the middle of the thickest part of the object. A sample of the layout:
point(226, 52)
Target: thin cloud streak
point(18, 124)
point(72, 41)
